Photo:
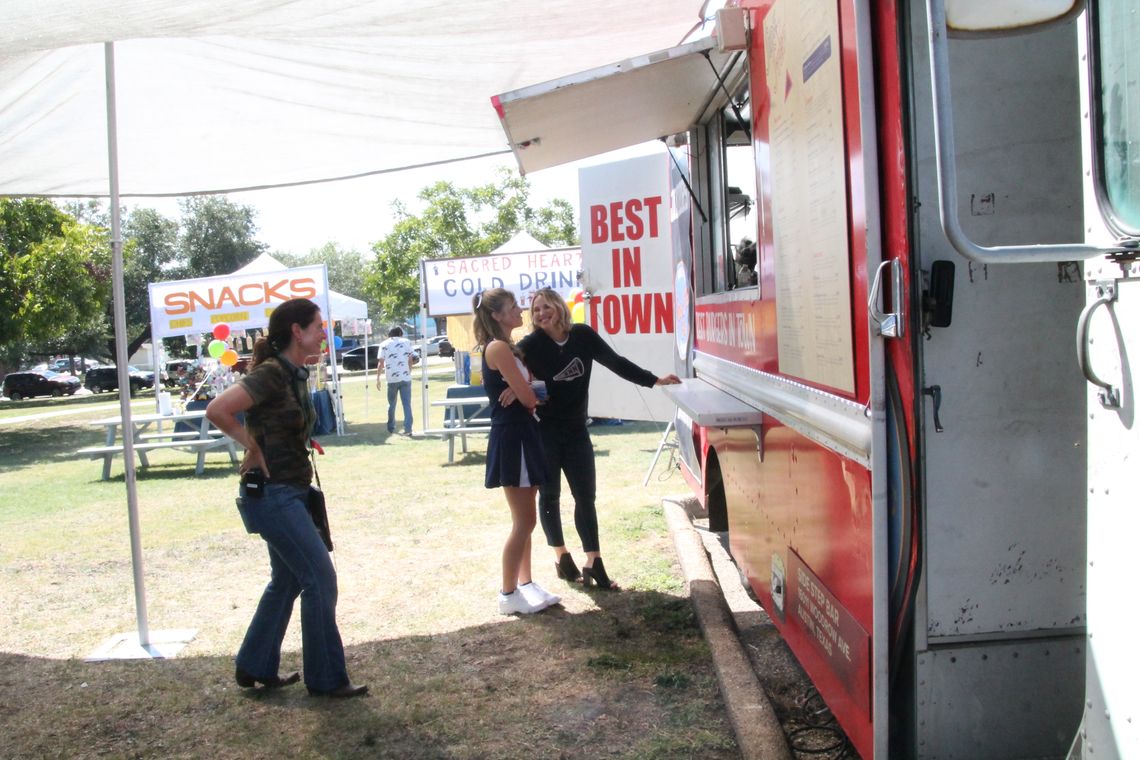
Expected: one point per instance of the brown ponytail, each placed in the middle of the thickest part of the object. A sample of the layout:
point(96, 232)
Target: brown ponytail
point(279, 334)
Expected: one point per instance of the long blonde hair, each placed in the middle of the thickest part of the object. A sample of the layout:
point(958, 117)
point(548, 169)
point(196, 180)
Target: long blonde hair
point(562, 320)
point(483, 307)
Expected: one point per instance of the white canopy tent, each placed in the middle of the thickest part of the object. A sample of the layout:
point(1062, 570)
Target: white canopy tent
point(215, 95)
point(340, 306)
point(114, 98)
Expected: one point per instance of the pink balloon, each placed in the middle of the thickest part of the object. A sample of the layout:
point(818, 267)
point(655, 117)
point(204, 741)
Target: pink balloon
point(221, 331)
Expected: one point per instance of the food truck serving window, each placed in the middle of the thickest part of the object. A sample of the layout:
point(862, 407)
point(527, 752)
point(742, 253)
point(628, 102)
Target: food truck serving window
point(724, 173)
point(1118, 74)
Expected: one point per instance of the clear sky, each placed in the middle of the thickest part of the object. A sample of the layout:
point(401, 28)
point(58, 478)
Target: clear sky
point(355, 213)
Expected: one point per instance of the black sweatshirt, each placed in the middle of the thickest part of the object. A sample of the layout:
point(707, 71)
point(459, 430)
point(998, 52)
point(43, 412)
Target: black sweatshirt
point(566, 370)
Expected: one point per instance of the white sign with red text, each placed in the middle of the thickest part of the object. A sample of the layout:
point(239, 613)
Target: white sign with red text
point(450, 284)
point(627, 272)
point(242, 301)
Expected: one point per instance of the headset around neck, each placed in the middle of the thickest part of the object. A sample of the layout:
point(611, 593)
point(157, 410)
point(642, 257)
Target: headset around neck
point(298, 373)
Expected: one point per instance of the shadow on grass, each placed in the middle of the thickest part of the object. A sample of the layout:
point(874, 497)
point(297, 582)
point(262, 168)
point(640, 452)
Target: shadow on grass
point(631, 679)
point(355, 432)
point(218, 470)
point(27, 445)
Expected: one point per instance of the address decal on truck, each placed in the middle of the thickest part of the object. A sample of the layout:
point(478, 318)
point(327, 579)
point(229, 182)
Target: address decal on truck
point(835, 632)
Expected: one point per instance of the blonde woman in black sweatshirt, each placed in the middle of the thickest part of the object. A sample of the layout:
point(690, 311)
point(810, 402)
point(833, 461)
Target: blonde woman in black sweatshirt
point(562, 354)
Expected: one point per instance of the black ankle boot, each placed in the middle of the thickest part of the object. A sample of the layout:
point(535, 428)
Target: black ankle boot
point(597, 574)
point(248, 681)
point(566, 568)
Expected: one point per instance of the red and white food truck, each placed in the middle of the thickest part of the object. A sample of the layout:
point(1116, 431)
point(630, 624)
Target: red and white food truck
point(917, 424)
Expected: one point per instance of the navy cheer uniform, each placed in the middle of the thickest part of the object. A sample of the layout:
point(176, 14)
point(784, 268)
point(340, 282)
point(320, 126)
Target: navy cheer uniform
point(514, 450)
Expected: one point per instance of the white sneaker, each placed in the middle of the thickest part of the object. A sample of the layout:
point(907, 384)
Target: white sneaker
point(515, 603)
point(537, 596)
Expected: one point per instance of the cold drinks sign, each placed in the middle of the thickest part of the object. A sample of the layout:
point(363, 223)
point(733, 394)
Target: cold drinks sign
point(450, 284)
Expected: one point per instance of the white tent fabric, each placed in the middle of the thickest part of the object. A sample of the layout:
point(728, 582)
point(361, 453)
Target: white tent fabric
point(341, 306)
point(215, 95)
point(521, 242)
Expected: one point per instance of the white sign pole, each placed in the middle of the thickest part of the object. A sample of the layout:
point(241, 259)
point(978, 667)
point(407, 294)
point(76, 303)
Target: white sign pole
point(367, 371)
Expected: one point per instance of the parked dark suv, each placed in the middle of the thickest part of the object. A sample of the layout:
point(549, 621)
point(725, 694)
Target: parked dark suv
point(20, 385)
point(353, 359)
point(102, 379)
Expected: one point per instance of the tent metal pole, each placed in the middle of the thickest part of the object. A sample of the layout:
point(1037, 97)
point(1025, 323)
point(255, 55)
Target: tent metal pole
point(121, 350)
point(423, 345)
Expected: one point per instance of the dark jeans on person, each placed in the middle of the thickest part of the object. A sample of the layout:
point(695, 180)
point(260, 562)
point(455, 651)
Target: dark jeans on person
point(300, 565)
point(569, 450)
point(404, 388)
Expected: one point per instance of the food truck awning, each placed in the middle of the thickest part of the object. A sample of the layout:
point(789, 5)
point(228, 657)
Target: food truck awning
point(615, 106)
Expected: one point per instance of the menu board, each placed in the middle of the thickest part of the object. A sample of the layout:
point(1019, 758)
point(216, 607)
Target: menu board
point(809, 194)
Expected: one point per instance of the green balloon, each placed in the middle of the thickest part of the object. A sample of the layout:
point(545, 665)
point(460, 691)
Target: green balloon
point(216, 348)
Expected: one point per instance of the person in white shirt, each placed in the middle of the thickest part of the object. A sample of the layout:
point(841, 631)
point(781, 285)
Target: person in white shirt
point(396, 366)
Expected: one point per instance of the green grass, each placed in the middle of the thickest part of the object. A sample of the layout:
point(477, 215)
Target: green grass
point(418, 544)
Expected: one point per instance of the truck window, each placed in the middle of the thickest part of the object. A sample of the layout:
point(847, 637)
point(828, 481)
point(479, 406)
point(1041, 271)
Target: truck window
point(726, 170)
point(1118, 75)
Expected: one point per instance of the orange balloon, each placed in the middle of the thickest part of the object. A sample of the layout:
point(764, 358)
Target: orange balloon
point(229, 357)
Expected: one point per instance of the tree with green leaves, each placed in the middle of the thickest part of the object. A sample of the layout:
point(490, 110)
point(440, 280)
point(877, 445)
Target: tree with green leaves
point(54, 277)
point(150, 254)
point(218, 236)
point(46, 295)
point(457, 222)
point(344, 267)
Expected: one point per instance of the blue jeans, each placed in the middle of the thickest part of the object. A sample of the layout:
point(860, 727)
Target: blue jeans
point(300, 565)
point(404, 388)
point(569, 450)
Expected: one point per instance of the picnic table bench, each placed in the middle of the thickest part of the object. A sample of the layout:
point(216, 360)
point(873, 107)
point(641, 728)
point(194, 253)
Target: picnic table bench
point(468, 412)
point(188, 431)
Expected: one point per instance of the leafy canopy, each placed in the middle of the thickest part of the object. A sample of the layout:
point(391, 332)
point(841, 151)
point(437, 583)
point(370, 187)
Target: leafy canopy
point(55, 267)
point(54, 273)
point(457, 222)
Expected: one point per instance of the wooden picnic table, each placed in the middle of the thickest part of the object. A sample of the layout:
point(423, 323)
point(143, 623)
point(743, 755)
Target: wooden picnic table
point(188, 431)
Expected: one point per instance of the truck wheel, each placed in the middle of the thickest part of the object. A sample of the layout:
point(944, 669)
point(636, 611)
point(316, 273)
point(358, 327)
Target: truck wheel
point(56, 393)
point(16, 396)
point(96, 388)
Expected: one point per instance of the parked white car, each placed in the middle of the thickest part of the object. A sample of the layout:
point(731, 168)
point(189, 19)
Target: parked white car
point(438, 346)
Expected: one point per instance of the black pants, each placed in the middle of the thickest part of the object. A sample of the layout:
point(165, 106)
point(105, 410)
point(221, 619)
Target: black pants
point(569, 450)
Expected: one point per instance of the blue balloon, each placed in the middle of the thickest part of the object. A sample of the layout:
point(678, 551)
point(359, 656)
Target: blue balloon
point(337, 341)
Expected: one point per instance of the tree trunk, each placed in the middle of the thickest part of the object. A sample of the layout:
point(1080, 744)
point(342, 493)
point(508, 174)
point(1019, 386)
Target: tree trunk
point(133, 346)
